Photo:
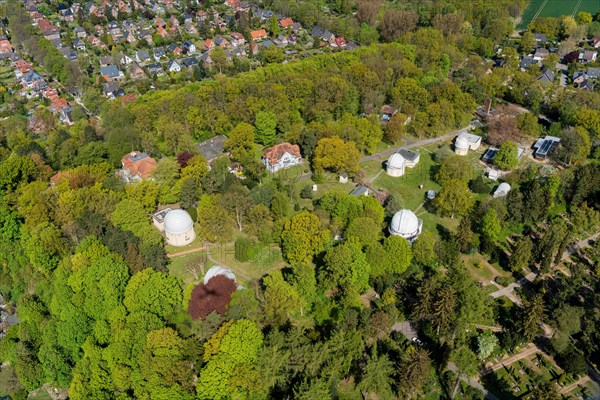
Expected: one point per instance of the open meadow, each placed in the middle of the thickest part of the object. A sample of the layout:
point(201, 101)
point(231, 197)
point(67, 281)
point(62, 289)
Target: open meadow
point(556, 8)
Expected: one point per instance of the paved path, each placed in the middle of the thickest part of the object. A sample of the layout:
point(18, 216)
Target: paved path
point(412, 143)
point(473, 382)
point(406, 329)
point(573, 386)
point(190, 251)
point(508, 290)
point(526, 352)
point(582, 244)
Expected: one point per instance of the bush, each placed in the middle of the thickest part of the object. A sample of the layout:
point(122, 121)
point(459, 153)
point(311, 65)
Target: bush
point(504, 281)
point(573, 362)
point(307, 192)
point(480, 185)
point(246, 249)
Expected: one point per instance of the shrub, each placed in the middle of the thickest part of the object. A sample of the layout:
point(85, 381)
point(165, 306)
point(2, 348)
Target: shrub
point(307, 192)
point(246, 249)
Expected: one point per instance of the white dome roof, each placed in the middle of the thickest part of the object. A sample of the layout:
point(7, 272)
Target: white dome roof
point(396, 161)
point(404, 222)
point(502, 190)
point(218, 270)
point(178, 221)
point(461, 143)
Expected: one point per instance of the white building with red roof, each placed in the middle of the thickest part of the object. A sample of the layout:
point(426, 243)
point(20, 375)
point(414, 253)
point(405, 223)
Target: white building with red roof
point(281, 156)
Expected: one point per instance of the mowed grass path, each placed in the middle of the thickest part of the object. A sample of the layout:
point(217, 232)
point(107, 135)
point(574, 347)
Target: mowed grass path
point(556, 8)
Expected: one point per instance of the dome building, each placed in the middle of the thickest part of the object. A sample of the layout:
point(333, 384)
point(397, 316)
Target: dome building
point(461, 146)
point(502, 190)
point(395, 165)
point(406, 224)
point(179, 228)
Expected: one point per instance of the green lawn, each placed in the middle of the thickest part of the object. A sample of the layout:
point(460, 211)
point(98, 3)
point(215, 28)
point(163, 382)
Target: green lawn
point(556, 8)
point(186, 266)
point(9, 383)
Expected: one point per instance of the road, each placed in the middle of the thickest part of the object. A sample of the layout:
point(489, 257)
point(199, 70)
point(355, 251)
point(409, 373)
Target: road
point(410, 143)
point(508, 290)
point(473, 382)
point(582, 244)
point(526, 352)
point(581, 381)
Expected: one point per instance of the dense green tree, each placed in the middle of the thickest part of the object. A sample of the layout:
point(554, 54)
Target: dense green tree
point(423, 249)
point(454, 167)
point(336, 155)
point(454, 198)
point(507, 156)
point(377, 376)
point(213, 220)
point(345, 267)
point(399, 254)
point(153, 292)
point(240, 141)
point(281, 299)
point(413, 371)
point(265, 125)
point(521, 255)
point(491, 227)
point(302, 237)
point(486, 343)
point(532, 316)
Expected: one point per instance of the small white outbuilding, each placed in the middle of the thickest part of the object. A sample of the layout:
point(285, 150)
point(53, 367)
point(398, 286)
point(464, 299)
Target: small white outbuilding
point(502, 190)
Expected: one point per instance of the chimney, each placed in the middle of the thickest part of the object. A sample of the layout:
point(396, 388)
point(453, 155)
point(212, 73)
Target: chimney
point(488, 106)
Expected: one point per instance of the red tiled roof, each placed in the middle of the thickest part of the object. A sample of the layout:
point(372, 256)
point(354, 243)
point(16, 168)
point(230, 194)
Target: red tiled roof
point(286, 22)
point(144, 167)
point(260, 33)
point(5, 46)
point(274, 154)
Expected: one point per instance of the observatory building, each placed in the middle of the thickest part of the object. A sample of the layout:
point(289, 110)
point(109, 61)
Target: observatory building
point(177, 226)
point(406, 224)
point(401, 160)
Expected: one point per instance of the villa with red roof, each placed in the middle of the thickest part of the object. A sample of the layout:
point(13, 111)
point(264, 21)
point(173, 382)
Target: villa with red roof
point(281, 156)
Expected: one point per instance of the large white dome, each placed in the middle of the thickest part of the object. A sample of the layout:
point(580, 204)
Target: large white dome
point(404, 223)
point(461, 143)
point(218, 270)
point(396, 161)
point(178, 221)
point(502, 190)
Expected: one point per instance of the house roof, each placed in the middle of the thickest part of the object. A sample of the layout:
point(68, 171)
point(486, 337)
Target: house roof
point(274, 154)
point(213, 147)
point(110, 71)
point(139, 163)
point(258, 33)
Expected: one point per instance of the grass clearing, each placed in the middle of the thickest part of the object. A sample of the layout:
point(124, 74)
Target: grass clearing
point(556, 8)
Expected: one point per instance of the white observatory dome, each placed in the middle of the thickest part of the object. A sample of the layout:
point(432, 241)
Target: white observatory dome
point(178, 221)
point(461, 143)
point(406, 224)
point(396, 161)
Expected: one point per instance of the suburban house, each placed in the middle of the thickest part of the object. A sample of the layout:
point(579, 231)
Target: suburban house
point(212, 148)
point(281, 156)
point(111, 72)
point(5, 47)
point(174, 66)
point(259, 34)
point(543, 147)
point(137, 166)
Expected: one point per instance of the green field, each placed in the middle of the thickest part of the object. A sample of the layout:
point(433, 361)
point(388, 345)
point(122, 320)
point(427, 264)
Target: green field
point(556, 8)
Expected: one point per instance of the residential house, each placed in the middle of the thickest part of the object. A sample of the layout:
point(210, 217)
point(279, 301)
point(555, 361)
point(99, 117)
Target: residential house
point(188, 47)
point(540, 54)
point(173, 66)
point(593, 72)
point(296, 27)
point(526, 62)
point(78, 44)
point(105, 61)
point(137, 166)
point(259, 34)
point(136, 72)
point(159, 52)
point(387, 112)
point(222, 42)
point(80, 32)
point(123, 59)
point(5, 47)
point(540, 38)
point(588, 56)
point(328, 37)
point(94, 41)
point(579, 77)
point(111, 72)
point(547, 76)
point(209, 44)
point(286, 23)
point(212, 148)
point(543, 147)
point(187, 18)
point(69, 54)
point(112, 90)
point(190, 62)
point(155, 69)
point(340, 42)
point(595, 42)
point(142, 56)
point(32, 79)
point(281, 156)
point(237, 39)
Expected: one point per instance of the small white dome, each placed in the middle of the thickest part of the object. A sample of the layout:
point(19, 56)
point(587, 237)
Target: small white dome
point(218, 270)
point(178, 221)
point(396, 161)
point(404, 223)
point(461, 143)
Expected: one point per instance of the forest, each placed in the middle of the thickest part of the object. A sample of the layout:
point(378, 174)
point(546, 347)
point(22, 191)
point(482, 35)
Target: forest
point(101, 316)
